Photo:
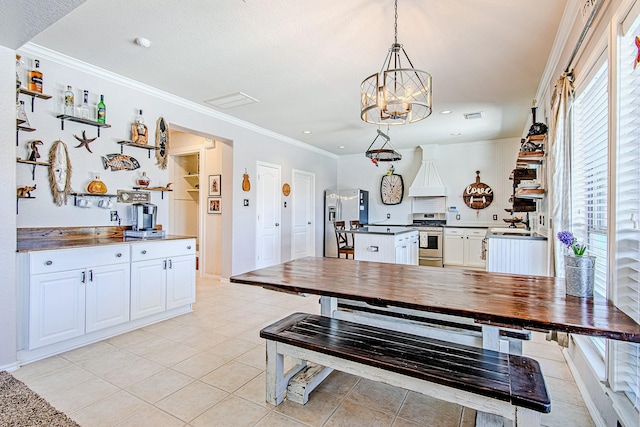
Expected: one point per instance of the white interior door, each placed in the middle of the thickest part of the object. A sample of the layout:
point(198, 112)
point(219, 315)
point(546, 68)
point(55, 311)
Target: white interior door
point(268, 209)
point(302, 214)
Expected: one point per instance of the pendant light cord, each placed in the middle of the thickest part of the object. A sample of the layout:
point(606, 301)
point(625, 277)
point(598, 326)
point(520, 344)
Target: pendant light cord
point(395, 28)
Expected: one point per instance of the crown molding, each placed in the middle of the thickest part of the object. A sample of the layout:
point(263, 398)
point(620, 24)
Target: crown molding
point(35, 50)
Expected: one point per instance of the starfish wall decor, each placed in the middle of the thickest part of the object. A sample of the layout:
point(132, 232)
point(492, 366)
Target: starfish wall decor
point(84, 141)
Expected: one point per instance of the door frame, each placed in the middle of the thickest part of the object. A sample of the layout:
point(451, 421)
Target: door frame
point(312, 208)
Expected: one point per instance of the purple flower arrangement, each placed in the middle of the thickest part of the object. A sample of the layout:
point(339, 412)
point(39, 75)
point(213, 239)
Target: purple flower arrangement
point(567, 238)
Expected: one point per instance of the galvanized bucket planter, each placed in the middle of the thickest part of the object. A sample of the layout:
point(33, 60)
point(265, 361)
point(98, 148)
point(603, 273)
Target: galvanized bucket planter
point(580, 275)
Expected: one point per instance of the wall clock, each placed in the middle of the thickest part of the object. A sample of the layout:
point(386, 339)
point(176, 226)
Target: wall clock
point(392, 189)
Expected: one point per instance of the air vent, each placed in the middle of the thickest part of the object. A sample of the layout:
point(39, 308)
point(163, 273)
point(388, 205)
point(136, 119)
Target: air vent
point(472, 116)
point(231, 101)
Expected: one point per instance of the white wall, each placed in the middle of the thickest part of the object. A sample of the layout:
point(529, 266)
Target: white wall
point(456, 163)
point(7, 211)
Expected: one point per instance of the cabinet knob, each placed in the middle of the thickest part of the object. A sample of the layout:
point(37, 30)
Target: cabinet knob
point(49, 262)
point(189, 247)
point(118, 255)
point(144, 252)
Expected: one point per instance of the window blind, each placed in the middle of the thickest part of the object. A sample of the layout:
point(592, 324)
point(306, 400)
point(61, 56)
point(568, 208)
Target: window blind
point(626, 375)
point(589, 173)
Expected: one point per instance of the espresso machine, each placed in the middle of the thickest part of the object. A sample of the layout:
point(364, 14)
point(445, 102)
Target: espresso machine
point(143, 220)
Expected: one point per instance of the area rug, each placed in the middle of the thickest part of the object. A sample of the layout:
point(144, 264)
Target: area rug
point(20, 406)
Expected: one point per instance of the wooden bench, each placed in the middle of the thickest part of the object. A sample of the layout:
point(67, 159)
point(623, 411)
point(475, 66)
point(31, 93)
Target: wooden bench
point(505, 385)
point(432, 325)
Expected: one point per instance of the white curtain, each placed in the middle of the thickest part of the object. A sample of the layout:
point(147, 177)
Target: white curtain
point(560, 164)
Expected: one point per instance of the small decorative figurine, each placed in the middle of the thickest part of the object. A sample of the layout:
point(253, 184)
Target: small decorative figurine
point(139, 131)
point(34, 155)
point(60, 173)
point(246, 184)
point(162, 143)
point(84, 141)
point(25, 192)
point(120, 162)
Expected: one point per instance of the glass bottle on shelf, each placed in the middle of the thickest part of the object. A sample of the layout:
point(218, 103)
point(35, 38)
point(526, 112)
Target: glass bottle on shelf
point(102, 110)
point(143, 180)
point(139, 130)
point(84, 111)
point(96, 186)
point(35, 78)
point(69, 102)
point(21, 114)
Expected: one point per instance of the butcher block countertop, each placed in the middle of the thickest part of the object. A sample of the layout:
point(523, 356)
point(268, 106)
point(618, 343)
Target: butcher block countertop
point(52, 238)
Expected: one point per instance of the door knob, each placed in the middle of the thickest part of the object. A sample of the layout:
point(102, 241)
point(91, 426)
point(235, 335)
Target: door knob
point(309, 223)
point(277, 224)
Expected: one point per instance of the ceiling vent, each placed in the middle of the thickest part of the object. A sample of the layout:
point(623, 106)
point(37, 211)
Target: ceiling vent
point(226, 102)
point(472, 116)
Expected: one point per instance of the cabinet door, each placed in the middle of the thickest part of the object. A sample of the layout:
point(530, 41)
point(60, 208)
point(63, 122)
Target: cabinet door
point(57, 307)
point(473, 252)
point(148, 287)
point(181, 281)
point(454, 250)
point(108, 295)
point(414, 251)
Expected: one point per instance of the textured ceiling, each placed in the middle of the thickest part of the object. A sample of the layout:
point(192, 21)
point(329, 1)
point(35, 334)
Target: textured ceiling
point(304, 60)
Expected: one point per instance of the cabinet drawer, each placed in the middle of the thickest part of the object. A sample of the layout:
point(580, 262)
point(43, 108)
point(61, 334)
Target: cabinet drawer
point(153, 250)
point(454, 231)
point(71, 259)
point(479, 232)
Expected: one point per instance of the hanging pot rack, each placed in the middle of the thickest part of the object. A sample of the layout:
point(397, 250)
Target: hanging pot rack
point(383, 154)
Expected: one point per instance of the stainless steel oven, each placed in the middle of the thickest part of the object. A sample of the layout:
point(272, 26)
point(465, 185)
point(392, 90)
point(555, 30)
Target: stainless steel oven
point(430, 252)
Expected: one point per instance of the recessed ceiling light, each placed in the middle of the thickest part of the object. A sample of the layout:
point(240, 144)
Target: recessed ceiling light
point(342, 147)
point(306, 132)
point(142, 42)
point(456, 134)
point(473, 116)
point(445, 112)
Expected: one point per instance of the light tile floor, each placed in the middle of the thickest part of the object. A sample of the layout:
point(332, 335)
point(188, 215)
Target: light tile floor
point(206, 368)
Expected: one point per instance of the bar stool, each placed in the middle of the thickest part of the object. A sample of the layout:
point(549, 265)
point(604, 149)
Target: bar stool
point(342, 240)
point(355, 224)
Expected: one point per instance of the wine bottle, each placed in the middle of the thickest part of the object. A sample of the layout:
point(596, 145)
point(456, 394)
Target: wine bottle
point(102, 110)
point(69, 102)
point(35, 78)
point(84, 110)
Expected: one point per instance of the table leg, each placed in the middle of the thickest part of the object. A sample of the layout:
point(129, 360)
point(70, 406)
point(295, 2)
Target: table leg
point(491, 337)
point(328, 305)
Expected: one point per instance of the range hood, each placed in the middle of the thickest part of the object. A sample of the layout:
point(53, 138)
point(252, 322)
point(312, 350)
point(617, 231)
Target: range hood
point(427, 182)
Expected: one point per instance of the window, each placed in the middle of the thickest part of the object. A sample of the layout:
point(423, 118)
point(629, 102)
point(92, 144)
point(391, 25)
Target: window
point(589, 175)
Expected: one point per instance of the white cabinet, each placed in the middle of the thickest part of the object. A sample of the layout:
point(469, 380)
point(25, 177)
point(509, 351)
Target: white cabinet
point(76, 291)
point(391, 248)
point(463, 247)
point(162, 276)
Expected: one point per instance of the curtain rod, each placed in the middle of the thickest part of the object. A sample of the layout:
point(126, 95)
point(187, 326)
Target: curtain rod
point(583, 35)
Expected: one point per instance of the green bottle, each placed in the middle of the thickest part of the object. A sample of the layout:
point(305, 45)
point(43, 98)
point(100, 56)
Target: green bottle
point(102, 110)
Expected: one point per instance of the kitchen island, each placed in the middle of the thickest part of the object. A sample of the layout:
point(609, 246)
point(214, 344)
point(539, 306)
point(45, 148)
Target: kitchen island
point(516, 251)
point(391, 244)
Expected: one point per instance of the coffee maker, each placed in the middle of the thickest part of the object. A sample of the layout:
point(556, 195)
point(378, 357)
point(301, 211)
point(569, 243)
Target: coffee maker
point(143, 216)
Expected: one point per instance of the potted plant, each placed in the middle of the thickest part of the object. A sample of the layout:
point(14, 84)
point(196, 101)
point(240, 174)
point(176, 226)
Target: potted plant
point(579, 268)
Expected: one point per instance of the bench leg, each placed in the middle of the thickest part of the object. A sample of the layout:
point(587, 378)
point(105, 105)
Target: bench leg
point(491, 337)
point(484, 419)
point(527, 417)
point(328, 305)
point(515, 346)
point(277, 380)
point(305, 381)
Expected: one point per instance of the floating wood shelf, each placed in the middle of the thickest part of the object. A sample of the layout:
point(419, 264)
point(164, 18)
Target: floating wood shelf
point(33, 95)
point(64, 117)
point(195, 175)
point(33, 165)
point(149, 148)
point(25, 129)
point(161, 189)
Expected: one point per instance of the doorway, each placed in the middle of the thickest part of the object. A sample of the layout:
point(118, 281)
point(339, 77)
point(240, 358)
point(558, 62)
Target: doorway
point(184, 201)
point(268, 218)
point(302, 214)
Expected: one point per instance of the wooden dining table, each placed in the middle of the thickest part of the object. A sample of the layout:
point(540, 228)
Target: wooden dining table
point(492, 300)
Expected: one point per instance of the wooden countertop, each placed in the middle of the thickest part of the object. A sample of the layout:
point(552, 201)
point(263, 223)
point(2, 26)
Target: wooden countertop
point(530, 302)
point(52, 238)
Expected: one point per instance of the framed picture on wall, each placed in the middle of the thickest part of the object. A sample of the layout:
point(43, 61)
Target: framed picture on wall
point(214, 205)
point(215, 183)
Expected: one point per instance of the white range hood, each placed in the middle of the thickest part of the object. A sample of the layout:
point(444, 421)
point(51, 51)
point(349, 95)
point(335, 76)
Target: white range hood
point(427, 182)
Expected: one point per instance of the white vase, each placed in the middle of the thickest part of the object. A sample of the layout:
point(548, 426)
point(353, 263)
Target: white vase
point(579, 275)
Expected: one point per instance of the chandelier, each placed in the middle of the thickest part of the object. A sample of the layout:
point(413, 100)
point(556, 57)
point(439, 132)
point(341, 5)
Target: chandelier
point(396, 95)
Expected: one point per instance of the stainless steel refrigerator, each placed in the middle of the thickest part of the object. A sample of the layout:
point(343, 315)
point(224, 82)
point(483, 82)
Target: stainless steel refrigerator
point(342, 205)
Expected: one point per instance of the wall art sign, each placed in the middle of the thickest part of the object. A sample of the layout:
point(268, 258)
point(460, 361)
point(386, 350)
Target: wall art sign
point(215, 185)
point(125, 196)
point(477, 195)
point(215, 205)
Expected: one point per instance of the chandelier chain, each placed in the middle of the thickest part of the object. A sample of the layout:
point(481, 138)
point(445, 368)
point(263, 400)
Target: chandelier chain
point(395, 28)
